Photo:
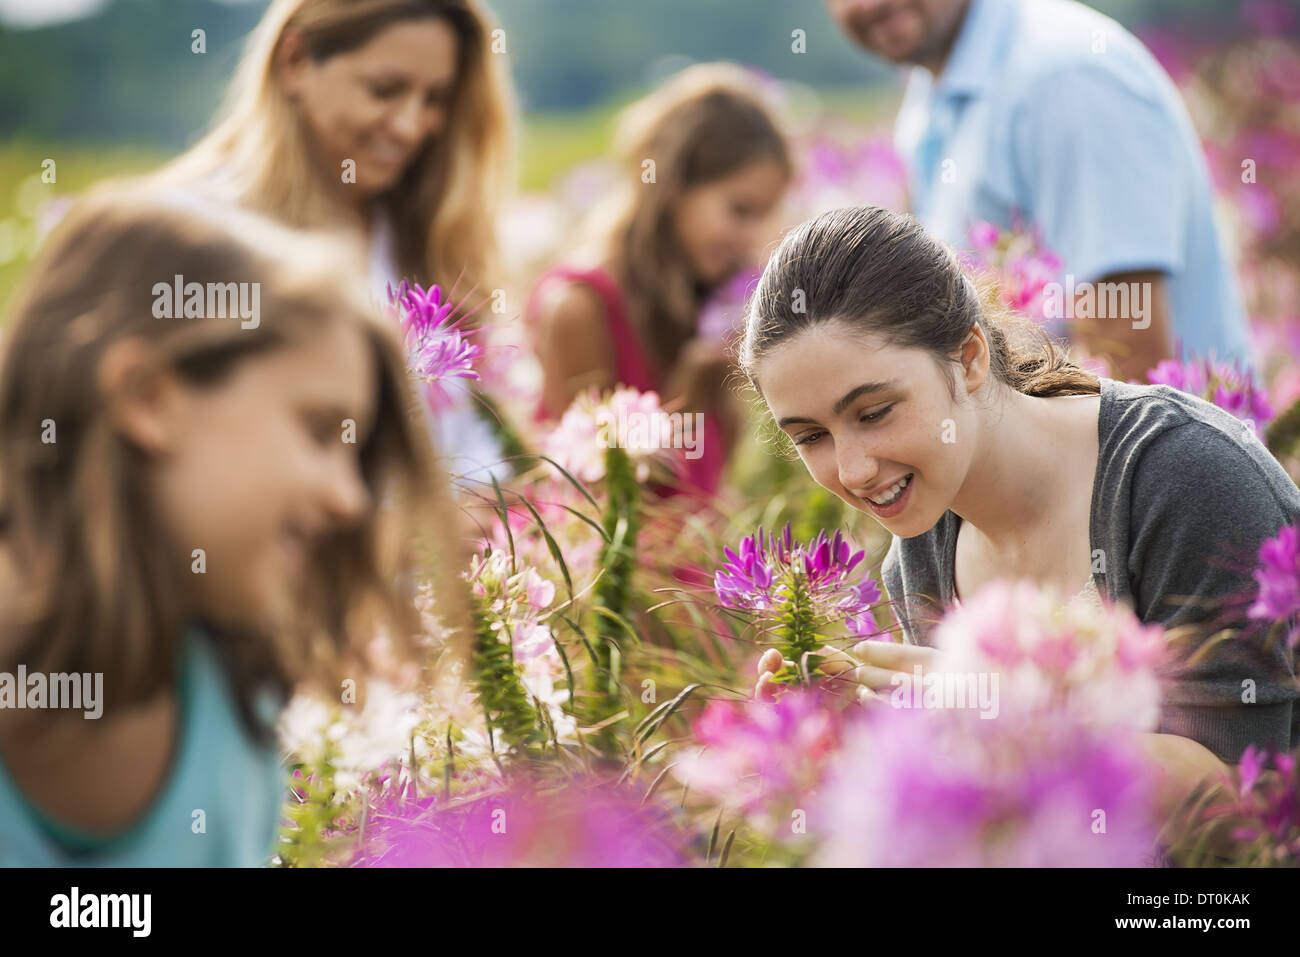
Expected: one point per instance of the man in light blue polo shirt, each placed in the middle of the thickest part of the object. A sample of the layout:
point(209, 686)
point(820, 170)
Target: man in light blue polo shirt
point(1047, 113)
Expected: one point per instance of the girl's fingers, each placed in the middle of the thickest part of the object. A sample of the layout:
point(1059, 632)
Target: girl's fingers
point(770, 662)
point(889, 654)
point(835, 662)
point(867, 696)
point(875, 678)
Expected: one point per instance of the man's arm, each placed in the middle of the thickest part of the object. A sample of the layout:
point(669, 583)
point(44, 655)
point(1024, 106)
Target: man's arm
point(1125, 319)
point(1105, 177)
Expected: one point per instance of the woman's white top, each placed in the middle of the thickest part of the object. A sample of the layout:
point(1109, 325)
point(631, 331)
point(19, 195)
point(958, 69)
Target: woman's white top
point(467, 443)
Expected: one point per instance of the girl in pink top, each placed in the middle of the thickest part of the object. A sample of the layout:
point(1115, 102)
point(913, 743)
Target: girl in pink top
point(704, 167)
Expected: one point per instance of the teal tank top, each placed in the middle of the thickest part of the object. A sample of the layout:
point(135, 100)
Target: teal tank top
point(237, 784)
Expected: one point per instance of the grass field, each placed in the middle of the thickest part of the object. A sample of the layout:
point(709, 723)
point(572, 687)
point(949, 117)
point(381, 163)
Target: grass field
point(549, 145)
point(24, 193)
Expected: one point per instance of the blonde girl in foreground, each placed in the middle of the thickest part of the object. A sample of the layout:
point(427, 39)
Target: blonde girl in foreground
point(191, 508)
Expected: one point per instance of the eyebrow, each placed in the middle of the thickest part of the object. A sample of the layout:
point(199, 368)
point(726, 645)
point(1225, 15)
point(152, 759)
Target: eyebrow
point(844, 401)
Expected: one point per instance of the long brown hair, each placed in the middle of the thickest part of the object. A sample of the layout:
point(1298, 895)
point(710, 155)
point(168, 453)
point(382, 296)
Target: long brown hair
point(444, 208)
point(703, 125)
point(99, 578)
point(880, 273)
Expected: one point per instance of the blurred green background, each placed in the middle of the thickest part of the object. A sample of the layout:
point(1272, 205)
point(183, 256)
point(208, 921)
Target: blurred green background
point(118, 89)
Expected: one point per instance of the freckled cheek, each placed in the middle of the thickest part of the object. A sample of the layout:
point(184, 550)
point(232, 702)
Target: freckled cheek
point(824, 464)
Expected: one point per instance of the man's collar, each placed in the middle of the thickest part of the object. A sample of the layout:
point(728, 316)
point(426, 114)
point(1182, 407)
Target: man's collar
point(979, 50)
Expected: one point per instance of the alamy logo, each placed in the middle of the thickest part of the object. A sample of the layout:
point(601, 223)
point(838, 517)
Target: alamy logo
point(1098, 300)
point(633, 429)
point(213, 300)
point(946, 689)
point(102, 910)
point(76, 691)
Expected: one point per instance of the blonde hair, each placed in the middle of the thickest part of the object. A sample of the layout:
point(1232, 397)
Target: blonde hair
point(100, 581)
point(445, 207)
point(705, 123)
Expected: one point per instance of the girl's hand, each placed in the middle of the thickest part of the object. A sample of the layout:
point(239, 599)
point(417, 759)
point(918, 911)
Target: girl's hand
point(870, 665)
point(880, 662)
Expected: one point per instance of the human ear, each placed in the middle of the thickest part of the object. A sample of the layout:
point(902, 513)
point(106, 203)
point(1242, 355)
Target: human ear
point(142, 399)
point(975, 358)
point(291, 59)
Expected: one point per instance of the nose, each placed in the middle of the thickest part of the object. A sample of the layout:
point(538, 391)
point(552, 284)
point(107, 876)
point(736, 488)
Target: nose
point(346, 496)
point(858, 468)
point(410, 124)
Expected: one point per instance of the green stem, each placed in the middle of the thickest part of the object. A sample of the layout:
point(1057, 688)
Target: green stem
point(612, 593)
point(500, 690)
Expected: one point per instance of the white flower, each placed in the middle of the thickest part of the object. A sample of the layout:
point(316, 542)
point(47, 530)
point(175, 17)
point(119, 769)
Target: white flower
point(303, 726)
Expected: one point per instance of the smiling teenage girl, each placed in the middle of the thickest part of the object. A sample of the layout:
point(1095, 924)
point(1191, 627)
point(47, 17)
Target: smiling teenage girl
point(987, 457)
point(205, 513)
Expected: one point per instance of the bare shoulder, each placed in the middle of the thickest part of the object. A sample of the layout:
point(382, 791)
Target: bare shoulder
point(571, 309)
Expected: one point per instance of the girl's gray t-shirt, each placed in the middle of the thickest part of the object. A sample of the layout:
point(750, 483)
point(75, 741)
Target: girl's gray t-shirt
point(1183, 496)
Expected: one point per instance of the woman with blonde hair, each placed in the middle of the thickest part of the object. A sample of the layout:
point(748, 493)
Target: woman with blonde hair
point(391, 118)
point(703, 165)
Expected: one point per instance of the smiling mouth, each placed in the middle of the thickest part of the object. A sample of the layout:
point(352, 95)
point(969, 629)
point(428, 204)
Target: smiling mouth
point(893, 493)
point(390, 157)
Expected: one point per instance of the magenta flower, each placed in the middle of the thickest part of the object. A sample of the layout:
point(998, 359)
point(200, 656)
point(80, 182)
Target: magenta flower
point(1018, 260)
point(580, 826)
point(1188, 377)
point(437, 349)
point(857, 604)
point(828, 561)
point(1225, 384)
point(839, 168)
point(795, 590)
point(745, 581)
point(423, 310)
point(1266, 813)
point(769, 568)
point(1054, 655)
point(1252, 763)
point(1278, 575)
point(918, 788)
point(983, 235)
point(760, 755)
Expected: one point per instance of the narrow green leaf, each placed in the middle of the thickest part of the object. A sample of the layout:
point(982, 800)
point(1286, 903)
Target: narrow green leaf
point(572, 481)
point(726, 848)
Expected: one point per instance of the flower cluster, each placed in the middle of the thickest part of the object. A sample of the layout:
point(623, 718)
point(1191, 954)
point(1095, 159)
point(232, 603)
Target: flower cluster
point(1268, 813)
point(585, 824)
point(761, 758)
point(1278, 575)
point(626, 419)
point(933, 788)
point(515, 601)
point(1022, 265)
point(437, 347)
point(353, 742)
point(1095, 661)
point(840, 167)
point(770, 571)
point(1225, 384)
